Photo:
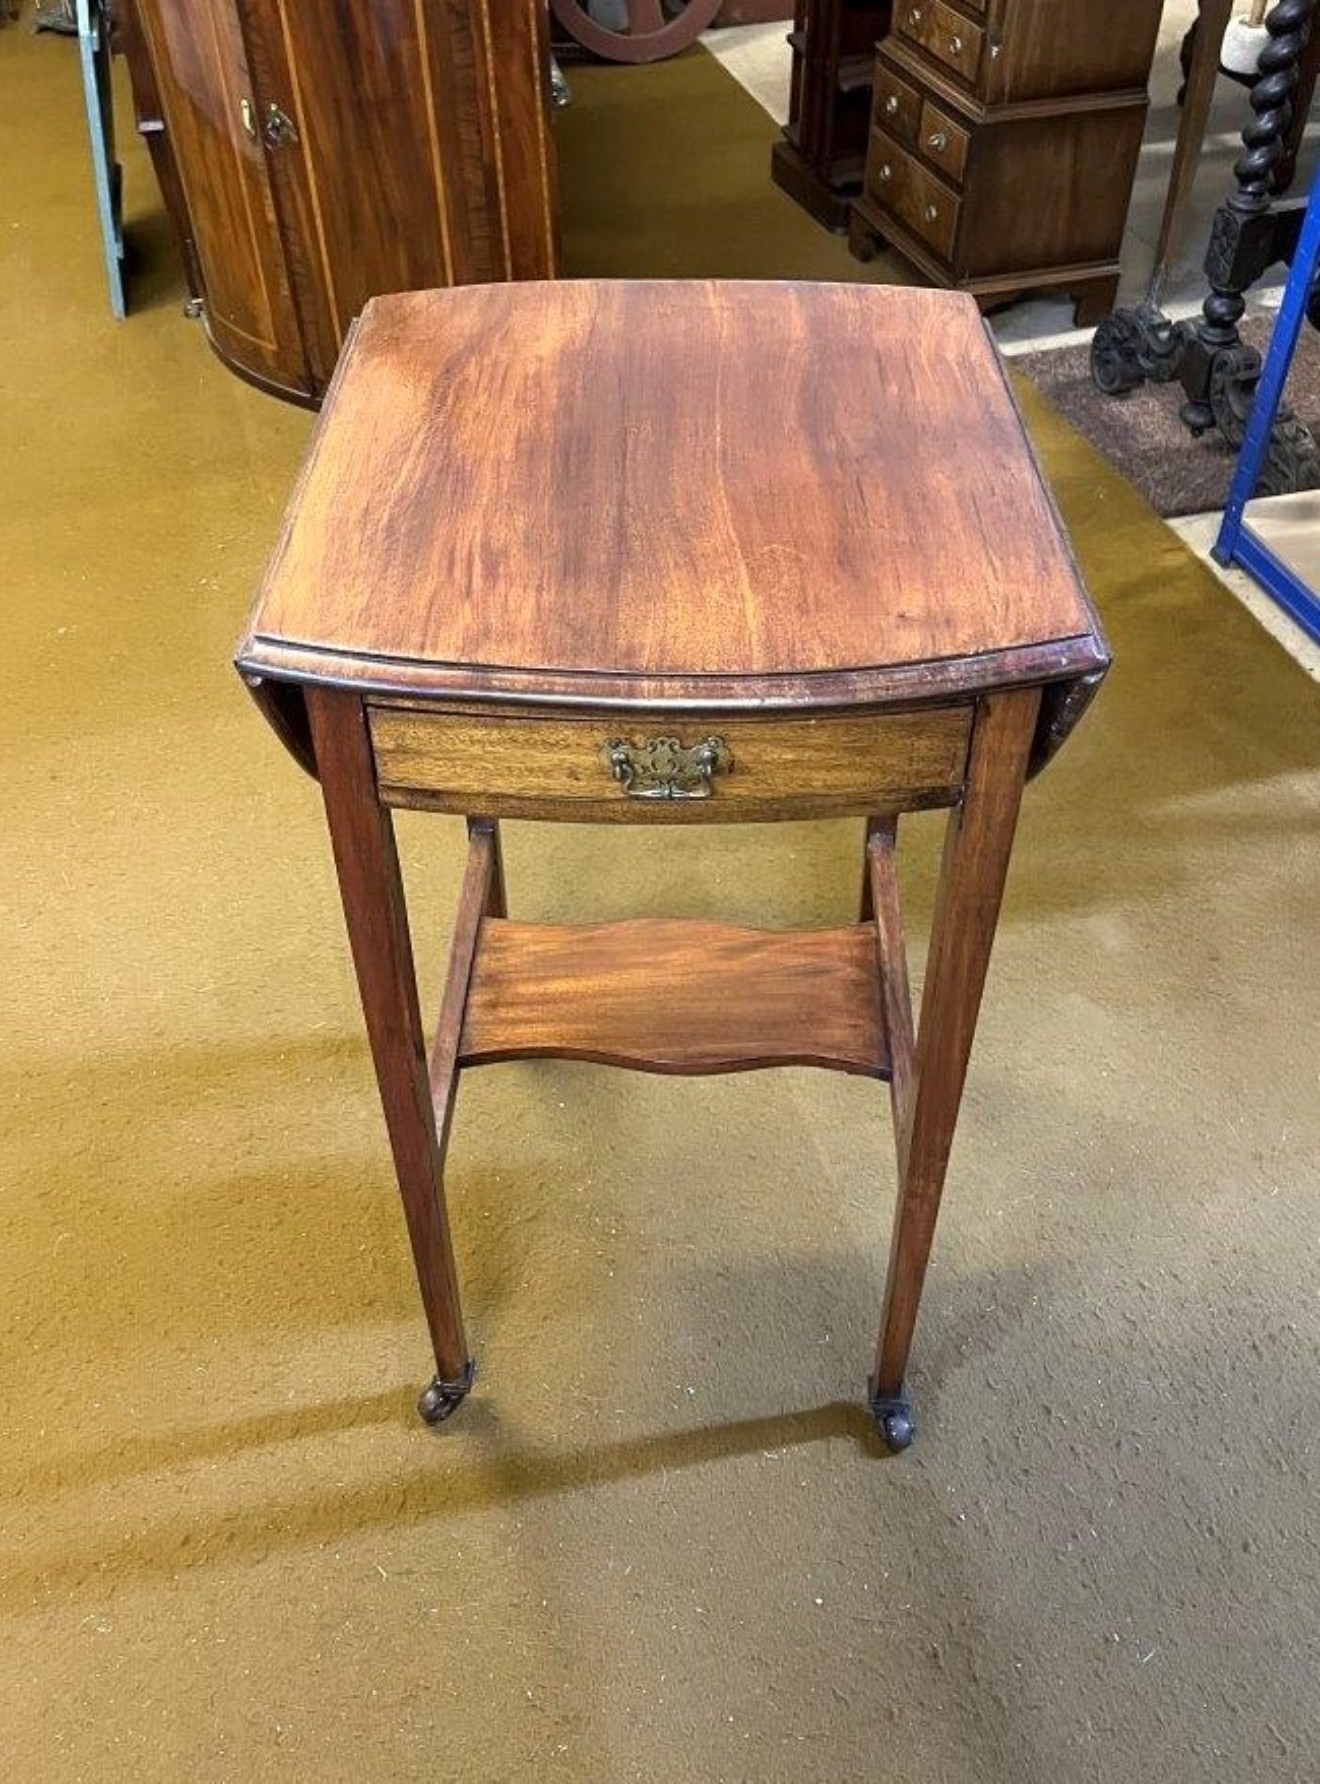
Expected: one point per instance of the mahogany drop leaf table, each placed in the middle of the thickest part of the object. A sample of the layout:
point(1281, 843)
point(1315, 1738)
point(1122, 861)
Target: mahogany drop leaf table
point(672, 552)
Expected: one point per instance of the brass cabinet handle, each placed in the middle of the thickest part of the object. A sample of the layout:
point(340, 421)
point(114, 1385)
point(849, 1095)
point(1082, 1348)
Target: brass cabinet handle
point(914, 17)
point(931, 213)
point(955, 46)
point(886, 172)
point(247, 115)
point(663, 768)
point(891, 104)
point(938, 140)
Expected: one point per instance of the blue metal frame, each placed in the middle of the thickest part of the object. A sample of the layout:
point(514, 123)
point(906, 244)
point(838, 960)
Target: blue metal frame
point(1237, 542)
point(94, 49)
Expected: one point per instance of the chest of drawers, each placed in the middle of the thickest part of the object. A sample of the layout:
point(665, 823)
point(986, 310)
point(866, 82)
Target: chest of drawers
point(1003, 142)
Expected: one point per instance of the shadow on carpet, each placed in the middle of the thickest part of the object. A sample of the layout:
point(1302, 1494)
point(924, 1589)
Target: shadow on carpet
point(1141, 434)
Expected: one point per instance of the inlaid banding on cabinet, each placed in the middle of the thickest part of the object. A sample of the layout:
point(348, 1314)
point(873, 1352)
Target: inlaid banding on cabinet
point(497, 143)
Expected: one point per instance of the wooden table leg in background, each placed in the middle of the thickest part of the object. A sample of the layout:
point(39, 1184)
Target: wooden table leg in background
point(367, 862)
point(1198, 94)
point(977, 846)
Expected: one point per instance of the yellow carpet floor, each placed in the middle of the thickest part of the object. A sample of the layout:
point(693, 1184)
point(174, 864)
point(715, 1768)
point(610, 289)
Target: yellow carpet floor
point(659, 1542)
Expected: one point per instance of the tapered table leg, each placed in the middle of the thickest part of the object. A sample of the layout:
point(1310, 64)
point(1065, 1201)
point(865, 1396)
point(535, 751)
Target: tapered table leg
point(366, 859)
point(977, 845)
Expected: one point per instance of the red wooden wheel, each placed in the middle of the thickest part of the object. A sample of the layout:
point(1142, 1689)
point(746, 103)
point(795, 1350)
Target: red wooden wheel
point(654, 28)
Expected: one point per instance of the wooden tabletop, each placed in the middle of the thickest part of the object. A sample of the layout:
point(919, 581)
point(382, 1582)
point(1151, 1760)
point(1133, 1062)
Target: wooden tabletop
point(695, 492)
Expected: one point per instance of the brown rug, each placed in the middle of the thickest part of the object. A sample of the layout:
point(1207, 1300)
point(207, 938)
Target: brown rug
point(1141, 434)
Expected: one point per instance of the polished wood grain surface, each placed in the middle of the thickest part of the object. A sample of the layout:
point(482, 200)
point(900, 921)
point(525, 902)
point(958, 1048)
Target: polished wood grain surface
point(203, 79)
point(515, 41)
point(777, 768)
point(1100, 47)
point(1079, 170)
point(676, 480)
point(666, 996)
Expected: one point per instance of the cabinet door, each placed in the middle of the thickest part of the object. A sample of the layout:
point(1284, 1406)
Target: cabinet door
point(417, 153)
point(210, 110)
point(516, 62)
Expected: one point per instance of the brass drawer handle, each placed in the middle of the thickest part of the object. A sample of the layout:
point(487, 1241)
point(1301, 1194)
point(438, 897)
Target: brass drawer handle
point(931, 213)
point(955, 46)
point(938, 140)
point(891, 104)
point(914, 17)
point(662, 768)
point(886, 172)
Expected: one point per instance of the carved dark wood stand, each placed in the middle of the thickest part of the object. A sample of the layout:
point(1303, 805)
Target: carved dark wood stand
point(1252, 231)
point(814, 603)
point(820, 158)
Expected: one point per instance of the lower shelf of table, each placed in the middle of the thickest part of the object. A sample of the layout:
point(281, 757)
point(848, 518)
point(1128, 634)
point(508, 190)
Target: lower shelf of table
point(676, 995)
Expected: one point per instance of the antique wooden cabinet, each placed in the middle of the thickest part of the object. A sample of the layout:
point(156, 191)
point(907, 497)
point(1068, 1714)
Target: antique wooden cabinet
point(1003, 143)
point(314, 156)
point(820, 158)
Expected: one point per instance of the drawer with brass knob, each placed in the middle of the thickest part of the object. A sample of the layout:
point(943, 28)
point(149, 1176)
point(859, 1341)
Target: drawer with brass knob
point(950, 37)
point(915, 197)
point(895, 107)
point(943, 141)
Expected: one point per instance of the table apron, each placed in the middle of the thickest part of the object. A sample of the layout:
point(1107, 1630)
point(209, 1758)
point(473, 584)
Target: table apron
point(611, 767)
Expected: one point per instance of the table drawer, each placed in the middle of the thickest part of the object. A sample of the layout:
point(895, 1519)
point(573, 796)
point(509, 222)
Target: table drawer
point(673, 769)
point(948, 36)
point(895, 106)
point(943, 142)
point(917, 198)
